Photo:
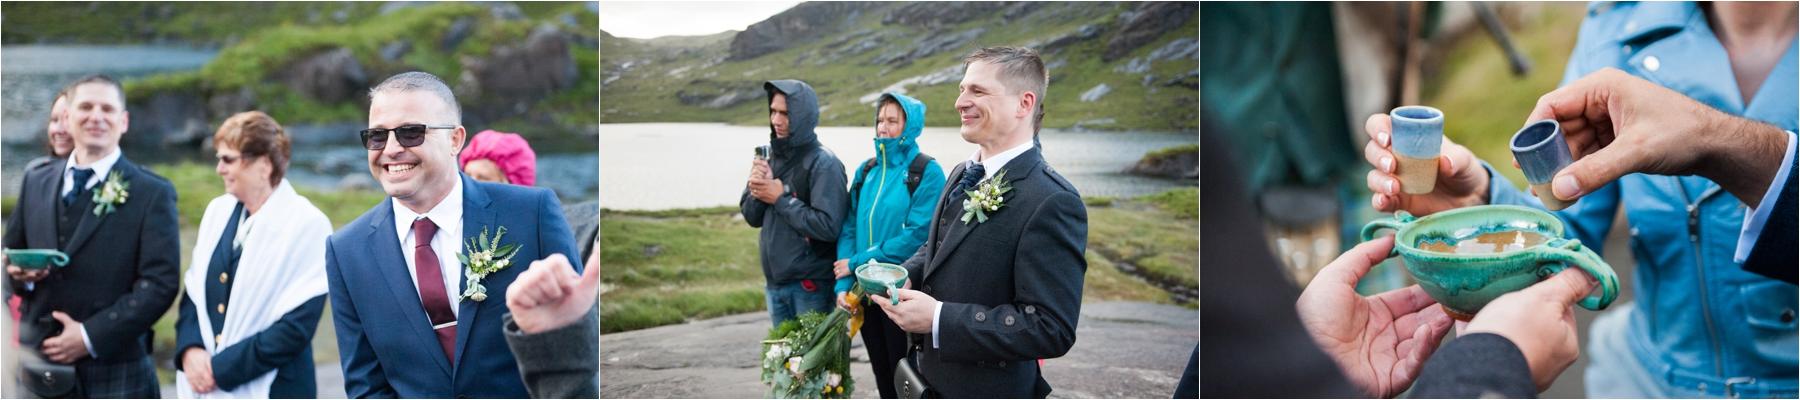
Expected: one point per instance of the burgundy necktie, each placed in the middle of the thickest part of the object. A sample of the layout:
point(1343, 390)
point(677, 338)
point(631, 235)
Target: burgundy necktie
point(431, 287)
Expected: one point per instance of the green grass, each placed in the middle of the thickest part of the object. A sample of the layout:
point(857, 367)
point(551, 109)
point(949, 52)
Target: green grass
point(1483, 102)
point(646, 93)
point(671, 266)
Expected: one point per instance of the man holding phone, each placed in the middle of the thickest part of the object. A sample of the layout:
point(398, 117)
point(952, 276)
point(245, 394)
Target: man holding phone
point(796, 194)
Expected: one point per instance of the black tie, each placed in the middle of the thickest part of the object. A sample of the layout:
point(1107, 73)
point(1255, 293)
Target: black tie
point(81, 177)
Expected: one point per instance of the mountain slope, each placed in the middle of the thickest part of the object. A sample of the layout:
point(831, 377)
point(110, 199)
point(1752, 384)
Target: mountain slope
point(1137, 62)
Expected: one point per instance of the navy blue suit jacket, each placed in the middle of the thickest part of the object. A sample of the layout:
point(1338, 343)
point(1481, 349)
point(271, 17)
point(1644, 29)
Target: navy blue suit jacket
point(384, 338)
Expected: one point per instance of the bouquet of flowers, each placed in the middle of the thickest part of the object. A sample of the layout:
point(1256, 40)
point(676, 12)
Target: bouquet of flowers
point(809, 357)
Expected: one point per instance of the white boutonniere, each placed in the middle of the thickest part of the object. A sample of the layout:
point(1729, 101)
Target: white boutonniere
point(482, 257)
point(112, 193)
point(987, 197)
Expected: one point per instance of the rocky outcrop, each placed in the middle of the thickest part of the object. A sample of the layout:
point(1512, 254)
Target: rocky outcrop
point(525, 71)
point(330, 76)
point(1181, 162)
point(935, 15)
point(803, 23)
point(1146, 22)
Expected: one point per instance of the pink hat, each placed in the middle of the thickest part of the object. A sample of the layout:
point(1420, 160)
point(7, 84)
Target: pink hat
point(507, 150)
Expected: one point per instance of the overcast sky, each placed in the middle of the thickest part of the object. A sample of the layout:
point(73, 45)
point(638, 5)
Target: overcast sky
point(687, 18)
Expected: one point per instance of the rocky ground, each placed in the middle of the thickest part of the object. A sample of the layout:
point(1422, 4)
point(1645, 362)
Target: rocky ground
point(1122, 350)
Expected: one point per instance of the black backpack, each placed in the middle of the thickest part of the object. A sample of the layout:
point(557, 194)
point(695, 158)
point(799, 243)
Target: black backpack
point(914, 174)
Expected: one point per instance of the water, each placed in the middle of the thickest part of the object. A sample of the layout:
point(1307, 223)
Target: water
point(34, 73)
point(654, 166)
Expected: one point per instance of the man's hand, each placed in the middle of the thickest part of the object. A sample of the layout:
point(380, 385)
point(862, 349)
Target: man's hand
point(1381, 341)
point(841, 268)
point(1461, 181)
point(198, 367)
point(67, 347)
point(21, 274)
point(549, 295)
point(766, 190)
point(913, 314)
point(1540, 321)
point(1617, 124)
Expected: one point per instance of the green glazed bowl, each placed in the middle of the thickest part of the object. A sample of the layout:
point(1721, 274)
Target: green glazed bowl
point(881, 278)
point(1464, 283)
point(36, 258)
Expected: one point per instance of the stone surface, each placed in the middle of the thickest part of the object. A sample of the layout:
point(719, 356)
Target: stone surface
point(1122, 350)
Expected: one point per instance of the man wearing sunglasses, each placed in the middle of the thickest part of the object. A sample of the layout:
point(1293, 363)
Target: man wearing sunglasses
point(411, 320)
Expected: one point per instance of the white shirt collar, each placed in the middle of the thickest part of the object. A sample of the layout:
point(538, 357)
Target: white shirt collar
point(998, 161)
point(101, 168)
point(446, 213)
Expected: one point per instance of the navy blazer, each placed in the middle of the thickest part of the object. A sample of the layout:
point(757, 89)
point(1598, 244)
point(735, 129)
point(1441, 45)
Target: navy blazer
point(384, 337)
point(1774, 254)
point(123, 266)
point(1011, 286)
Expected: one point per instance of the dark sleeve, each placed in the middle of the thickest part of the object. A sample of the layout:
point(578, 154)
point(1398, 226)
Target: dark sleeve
point(562, 363)
point(1048, 270)
point(1477, 365)
point(363, 377)
point(1266, 352)
point(272, 348)
point(15, 238)
point(554, 236)
point(1774, 253)
point(119, 324)
point(752, 208)
point(187, 330)
point(819, 217)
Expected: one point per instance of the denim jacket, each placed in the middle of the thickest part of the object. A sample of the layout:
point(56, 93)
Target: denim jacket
point(1700, 321)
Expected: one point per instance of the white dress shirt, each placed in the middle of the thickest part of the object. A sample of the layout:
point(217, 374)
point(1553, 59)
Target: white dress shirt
point(101, 168)
point(447, 243)
point(988, 167)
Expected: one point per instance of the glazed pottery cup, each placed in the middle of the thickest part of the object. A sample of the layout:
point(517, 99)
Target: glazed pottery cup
point(1465, 282)
point(1417, 134)
point(881, 278)
point(1542, 152)
point(36, 258)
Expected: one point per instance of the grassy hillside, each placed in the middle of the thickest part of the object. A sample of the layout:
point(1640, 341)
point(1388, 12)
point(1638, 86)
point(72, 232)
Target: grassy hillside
point(644, 80)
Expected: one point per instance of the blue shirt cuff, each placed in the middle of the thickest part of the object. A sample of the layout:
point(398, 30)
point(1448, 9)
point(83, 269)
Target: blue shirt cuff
point(1754, 220)
point(934, 324)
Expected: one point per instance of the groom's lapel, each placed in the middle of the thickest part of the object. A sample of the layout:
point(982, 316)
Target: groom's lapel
point(40, 223)
point(478, 214)
point(90, 223)
point(941, 216)
point(1018, 168)
point(385, 255)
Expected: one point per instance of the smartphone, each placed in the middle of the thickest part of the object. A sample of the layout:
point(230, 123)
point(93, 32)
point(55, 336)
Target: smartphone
point(762, 152)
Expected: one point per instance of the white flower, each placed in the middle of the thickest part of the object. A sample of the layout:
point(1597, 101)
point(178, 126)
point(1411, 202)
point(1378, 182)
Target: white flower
point(832, 379)
point(794, 365)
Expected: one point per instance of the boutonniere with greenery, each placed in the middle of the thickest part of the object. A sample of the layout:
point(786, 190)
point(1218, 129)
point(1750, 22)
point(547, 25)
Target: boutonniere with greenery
point(987, 198)
point(112, 193)
point(482, 257)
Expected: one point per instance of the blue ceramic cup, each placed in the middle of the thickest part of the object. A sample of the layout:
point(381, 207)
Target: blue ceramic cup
point(1418, 134)
point(1541, 151)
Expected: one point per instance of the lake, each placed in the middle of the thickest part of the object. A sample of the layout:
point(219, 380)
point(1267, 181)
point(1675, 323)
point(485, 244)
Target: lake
point(653, 166)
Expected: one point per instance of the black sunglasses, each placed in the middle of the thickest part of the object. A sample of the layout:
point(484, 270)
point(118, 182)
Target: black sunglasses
point(409, 135)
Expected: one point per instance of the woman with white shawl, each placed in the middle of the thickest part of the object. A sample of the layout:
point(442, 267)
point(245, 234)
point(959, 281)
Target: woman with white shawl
point(255, 285)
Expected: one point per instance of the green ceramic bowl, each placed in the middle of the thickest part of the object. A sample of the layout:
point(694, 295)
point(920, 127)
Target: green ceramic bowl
point(36, 258)
point(881, 278)
point(1464, 283)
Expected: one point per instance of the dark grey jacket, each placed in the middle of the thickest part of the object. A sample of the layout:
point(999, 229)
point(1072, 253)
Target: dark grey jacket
point(1010, 287)
point(799, 231)
point(561, 363)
